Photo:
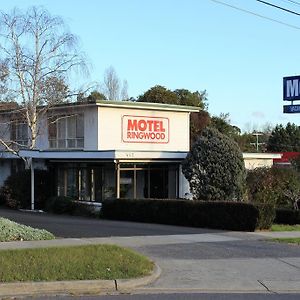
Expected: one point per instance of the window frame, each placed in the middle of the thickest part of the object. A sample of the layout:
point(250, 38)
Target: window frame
point(64, 139)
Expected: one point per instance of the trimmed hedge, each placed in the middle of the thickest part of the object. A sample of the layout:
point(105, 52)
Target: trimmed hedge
point(287, 216)
point(218, 215)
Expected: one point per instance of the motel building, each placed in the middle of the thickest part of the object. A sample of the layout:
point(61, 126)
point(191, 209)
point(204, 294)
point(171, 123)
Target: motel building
point(106, 149)
point(109, 149)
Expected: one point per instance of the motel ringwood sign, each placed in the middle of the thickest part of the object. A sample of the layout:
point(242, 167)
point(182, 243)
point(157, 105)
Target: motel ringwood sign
point(145, 129)
point(291, 92)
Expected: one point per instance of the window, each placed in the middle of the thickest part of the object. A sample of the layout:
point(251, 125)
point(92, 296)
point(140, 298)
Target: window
point(141, 181)
point(19, 133)
point(86, 183)
point(66, 132)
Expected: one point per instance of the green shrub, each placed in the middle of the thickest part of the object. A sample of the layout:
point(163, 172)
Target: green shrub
point(287, 216)
point(218, 215)
point(16, 191)
point(67, 205)
point(279, 187)
point(60, 205)
point(11, 231)
point(266, 215)
point(215, 168)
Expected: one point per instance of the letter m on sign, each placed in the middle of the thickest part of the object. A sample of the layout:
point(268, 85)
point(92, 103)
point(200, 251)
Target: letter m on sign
point(291, 89)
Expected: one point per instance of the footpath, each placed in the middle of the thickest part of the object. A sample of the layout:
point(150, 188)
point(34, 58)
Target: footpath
point(209, 262)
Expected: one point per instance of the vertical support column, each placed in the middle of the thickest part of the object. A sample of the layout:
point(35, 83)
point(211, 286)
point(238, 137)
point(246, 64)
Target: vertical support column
point(32, 183)
point(117, 179)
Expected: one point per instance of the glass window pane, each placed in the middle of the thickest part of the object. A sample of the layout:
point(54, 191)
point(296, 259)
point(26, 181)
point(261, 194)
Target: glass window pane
point(109, 182)
point(72, 183)
point(159, 183)
point(172, 179)
point(71, 127)
point(80, 126)
point(142, 184)
point(127, 184)
point(85, 185)
point(97, 182)
point(80, 143)
point(71, 143)
point(52, 127)
point(60, 182)
point(61, 128)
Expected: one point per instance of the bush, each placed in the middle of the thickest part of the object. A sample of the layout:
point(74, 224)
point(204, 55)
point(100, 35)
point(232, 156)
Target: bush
point(266, 215)
point(16, 191)
point(218, 215)
point(60, 205)
point(215, 168)
point(279, 187)
point(11, 231)
point(67, 205)
point(287, 216)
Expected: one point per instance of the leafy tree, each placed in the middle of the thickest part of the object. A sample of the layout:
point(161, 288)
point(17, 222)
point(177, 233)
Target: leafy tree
point(222, 124)
point(285, 138)
point(215, 167)
point(54, 90)
point(198, 121)
point(95, 95)
point(185, 97)
point(159, 94)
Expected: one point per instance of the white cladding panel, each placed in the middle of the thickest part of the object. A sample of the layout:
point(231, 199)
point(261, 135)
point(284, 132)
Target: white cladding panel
point(142, 130)
point(90, 128)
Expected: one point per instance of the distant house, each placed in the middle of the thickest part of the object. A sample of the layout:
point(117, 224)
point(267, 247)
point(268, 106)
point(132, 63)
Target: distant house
point(285, 160)
point(258, 160)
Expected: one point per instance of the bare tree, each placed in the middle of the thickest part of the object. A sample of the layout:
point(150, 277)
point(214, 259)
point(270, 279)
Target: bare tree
point(37, 54)
point(112, 87)
point(111, 84)
point(124, 91)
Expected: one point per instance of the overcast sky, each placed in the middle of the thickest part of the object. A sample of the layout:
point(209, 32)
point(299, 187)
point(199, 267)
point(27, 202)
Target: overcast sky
point(239, 58)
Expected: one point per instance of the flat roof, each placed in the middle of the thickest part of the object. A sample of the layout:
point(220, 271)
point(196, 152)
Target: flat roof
point(147, 105)
point(118, 104)
point(256, 155)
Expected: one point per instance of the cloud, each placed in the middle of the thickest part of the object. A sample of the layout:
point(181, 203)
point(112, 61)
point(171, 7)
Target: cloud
point(258, 114)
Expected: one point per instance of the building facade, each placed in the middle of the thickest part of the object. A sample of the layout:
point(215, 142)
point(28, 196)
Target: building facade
point(105, 149)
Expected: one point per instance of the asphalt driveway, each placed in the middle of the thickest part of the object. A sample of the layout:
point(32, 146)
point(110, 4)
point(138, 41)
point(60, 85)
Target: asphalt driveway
point(77, 227)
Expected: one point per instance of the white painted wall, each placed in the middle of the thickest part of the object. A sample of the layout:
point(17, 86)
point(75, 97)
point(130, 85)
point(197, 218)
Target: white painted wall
point(110, 130)
point(91, 128)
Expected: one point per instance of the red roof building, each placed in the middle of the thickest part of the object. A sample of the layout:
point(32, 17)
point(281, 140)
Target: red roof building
point(285, 160)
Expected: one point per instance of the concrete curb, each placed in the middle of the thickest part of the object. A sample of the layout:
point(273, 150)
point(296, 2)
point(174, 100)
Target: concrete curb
point(76, 287)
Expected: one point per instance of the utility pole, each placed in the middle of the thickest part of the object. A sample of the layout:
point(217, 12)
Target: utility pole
point(257, 144)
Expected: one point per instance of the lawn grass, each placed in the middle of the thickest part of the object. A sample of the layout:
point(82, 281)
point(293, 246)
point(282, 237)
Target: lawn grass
point(72, 263)
point(295, 241)
point(282, 227)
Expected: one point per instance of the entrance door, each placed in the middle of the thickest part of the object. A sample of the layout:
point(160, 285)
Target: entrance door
point(159, 183)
